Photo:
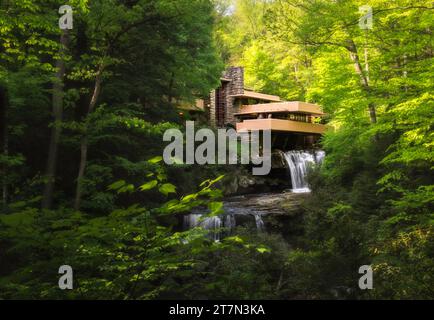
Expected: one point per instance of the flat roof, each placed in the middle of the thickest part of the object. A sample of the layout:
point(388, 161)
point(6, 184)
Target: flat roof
point(257, 95)
point(290, 106)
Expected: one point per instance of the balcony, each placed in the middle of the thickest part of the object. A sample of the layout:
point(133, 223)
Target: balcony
point(280, 125)
point(282, 107)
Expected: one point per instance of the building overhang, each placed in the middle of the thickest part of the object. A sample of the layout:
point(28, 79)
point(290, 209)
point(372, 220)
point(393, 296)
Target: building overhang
point(281, 125)
point(256, 95)
point(282, 107)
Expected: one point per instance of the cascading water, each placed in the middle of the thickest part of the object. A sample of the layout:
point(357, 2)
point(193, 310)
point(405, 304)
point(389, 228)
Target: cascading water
point(299, 163)
point(213, 224)
point(319, 156)
point(230, 222)
point(259, 222)
point(220, 226)
point(240, 210)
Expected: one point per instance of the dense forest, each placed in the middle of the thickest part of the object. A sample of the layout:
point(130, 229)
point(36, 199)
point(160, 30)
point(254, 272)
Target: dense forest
point(83, 111)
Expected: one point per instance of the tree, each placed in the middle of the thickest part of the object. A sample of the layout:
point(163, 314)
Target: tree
point(4, 140)
point(189, 68)
point(21, 51)
point(56, 128)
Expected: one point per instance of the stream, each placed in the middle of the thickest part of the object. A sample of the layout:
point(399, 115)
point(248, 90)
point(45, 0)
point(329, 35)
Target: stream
point(250, 210)
point(245, 210)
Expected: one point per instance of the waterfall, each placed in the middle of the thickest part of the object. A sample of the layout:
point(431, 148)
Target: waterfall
point(299, 163)
point(259, 222)
point(212, 224)
point(319, 156)
point(230, 222)
point(192, 220)
point(218, 226)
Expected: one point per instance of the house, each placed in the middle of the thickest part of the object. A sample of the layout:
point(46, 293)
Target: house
point(294, 124)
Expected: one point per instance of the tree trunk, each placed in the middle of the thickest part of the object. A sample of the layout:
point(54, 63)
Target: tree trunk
point(4, 141)
point(172, 79)
point(81, 170)
point(363, 77)
point(56, 129)
point(85, 141)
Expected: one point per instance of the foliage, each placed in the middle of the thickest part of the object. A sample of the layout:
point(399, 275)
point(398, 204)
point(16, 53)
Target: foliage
point(127, 254)
point(372, 199)
point(371, 202)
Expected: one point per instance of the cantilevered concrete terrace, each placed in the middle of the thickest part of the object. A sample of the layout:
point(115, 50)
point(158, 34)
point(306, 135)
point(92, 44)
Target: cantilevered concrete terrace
point(256, 95)
point(282, 107)
point(294, 116)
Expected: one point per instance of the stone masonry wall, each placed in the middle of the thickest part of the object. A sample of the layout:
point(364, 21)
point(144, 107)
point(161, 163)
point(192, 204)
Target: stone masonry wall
point(236, 86)
point(236, 74)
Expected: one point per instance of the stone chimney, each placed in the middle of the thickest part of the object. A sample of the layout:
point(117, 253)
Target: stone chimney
point(222, 105)
point(236, 74)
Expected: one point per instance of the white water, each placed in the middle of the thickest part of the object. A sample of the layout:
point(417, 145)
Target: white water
point(213, 224)
point(299, 163)
point(259, 222)
point(219, 225)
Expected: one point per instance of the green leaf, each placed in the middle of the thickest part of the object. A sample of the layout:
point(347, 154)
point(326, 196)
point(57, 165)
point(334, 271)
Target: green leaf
point(149, 185)
point(217, 179)
point(20, 218)
point(161, 177)
point(263, 249)
point(117, 185)
point(127, 188)
point(18, 205)
point(216, 208)
point(167, 188)
point(156, 160)
point(235, 239)
point(204, 183)
point(189, 197)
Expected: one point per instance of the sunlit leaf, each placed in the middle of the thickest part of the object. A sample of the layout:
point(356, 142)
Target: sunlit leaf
point(167, 188)
point(149, 185)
